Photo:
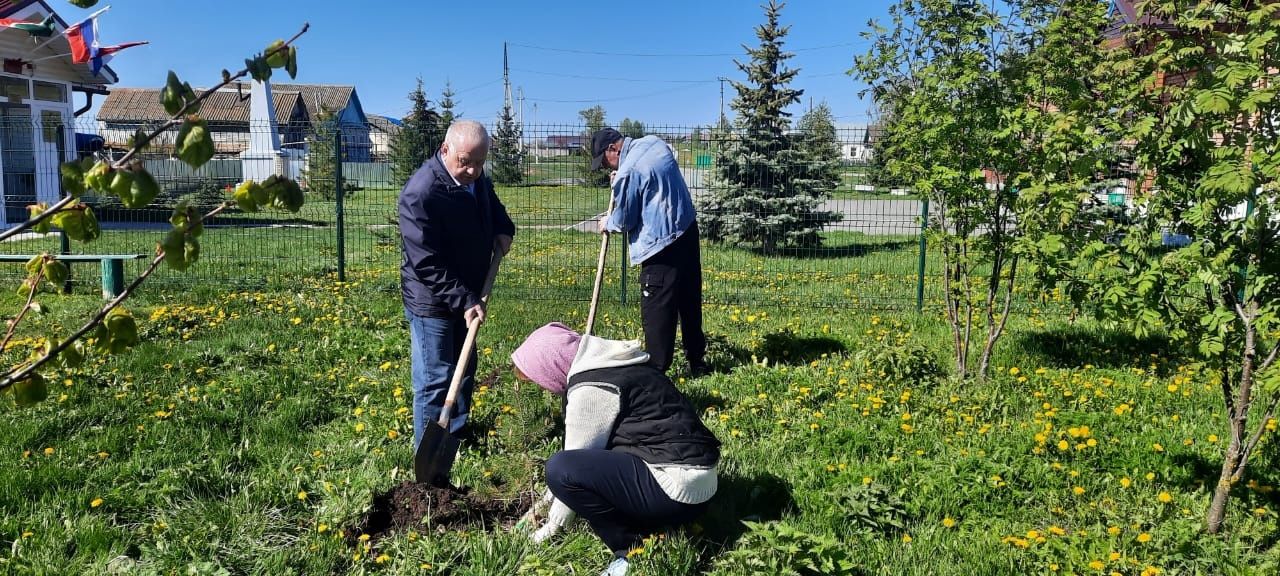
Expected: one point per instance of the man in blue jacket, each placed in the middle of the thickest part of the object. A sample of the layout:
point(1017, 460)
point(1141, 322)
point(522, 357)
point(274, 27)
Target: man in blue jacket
point(653, 206)
point(451, 221)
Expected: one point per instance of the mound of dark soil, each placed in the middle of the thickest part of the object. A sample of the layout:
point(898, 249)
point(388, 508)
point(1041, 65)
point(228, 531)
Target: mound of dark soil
point(413, 506)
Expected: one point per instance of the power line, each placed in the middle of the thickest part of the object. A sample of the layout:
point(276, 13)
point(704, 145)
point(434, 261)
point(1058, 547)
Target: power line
point(612, 78)
point(652, 80)
point(478, 86)
point(673, 54)
point(597, 100)
point(845, 73)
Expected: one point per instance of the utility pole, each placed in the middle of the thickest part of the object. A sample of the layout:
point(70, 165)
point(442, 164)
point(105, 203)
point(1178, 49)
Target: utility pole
point(520, 91)
point(722, 80)
point(506, 78)
point(535, 135)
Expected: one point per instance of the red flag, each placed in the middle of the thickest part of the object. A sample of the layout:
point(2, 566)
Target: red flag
point(103, 54)
point(109, 50)
point(83, 37)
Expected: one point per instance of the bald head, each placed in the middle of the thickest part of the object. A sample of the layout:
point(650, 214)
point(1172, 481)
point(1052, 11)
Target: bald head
point(465, 148)
point(466, 133)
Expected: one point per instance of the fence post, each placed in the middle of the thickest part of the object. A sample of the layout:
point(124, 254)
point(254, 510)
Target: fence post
point(338, 188)
point(64, 247)
point(924, 225)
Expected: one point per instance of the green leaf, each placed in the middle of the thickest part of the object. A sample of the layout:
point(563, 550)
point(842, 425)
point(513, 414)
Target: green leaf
point(1211, 346)
point(31, 391)
point(1216, 101)
point(194, 143)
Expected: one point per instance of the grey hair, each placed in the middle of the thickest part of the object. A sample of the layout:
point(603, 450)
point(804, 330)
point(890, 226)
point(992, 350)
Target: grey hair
point(463, 132)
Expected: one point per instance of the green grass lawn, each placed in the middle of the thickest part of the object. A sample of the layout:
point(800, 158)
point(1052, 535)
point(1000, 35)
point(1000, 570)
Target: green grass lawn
point(255, 424)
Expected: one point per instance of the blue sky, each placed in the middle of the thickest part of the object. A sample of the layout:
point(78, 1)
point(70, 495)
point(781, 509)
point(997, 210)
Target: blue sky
point(655, 61)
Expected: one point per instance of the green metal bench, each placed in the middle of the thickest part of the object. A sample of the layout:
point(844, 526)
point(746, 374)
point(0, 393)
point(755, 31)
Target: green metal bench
point(112, 268)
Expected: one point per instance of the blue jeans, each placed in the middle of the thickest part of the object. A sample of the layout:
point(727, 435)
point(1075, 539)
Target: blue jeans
point(435, 346)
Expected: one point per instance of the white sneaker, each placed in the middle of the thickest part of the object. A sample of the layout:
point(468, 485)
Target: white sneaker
point(618, 567)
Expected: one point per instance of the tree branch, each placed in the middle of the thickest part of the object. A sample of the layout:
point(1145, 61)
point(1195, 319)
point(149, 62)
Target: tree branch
point(177, 119)
point(31, 296)
point(1247, 447)
point(18, 374)
point(138, 146)
point(59, 205)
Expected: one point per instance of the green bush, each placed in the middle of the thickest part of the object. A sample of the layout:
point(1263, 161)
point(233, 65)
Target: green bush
point(900, 360)
point(777, 548)
point(872, 509)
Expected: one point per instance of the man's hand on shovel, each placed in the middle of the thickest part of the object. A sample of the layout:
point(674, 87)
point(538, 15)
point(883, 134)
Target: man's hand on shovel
point(474, 314)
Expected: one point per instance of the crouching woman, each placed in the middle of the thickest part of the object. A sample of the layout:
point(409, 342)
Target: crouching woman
point(636, 459)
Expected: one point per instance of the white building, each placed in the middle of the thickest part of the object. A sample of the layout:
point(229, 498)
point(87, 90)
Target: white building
point(37, 110)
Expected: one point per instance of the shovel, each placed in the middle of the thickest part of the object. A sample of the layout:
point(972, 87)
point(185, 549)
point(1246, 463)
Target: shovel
point(595, 290)
point(434, 458)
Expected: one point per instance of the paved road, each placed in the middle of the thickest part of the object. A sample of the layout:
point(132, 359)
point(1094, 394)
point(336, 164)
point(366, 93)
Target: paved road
point(874, 217)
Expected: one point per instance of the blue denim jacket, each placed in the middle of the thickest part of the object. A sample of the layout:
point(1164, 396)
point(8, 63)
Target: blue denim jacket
point(651, 201)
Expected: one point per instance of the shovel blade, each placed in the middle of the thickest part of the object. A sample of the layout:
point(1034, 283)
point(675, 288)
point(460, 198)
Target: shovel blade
point(434, 459)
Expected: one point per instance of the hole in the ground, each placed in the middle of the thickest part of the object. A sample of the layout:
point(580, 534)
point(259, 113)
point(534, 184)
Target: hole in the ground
point(413, 506)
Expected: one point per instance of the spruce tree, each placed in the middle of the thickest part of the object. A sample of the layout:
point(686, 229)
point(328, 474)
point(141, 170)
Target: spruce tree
point(816, 137)
point(507, 158)
point(447, 105)
point(765, 193)
point(419, 137)
point(319, 172)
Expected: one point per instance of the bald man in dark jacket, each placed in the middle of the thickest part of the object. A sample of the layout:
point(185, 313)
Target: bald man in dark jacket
point(451, 222)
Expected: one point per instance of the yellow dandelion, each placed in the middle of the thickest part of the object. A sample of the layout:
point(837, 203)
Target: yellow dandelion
point(95, 503)
point(948, 522)
point(906, 538)
point(1097, 565)
point(1164, 497)
point(1144, 537)
point(302, 495)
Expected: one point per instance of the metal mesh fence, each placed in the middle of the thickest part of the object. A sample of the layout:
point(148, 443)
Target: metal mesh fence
point(871, 255)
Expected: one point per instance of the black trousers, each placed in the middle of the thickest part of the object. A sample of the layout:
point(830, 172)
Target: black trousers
point(671, 292)
point(617, 496)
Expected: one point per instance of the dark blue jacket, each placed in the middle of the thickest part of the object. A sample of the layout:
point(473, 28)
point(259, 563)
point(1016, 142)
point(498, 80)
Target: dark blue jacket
point(447, 235)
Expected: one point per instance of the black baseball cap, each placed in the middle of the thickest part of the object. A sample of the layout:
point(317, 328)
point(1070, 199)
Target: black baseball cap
point(599, 141)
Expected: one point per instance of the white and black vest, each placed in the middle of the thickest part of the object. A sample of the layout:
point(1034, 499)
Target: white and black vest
point(655, 421)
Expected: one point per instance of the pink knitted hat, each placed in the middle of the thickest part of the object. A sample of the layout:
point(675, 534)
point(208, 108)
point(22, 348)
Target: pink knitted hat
point(545, 356)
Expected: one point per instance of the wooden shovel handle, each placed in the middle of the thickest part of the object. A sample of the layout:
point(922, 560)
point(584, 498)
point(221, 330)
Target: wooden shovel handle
point(464, 360)
point(595, 290)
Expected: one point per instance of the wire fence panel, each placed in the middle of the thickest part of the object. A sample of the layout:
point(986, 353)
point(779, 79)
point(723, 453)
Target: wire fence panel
point(868, 255)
